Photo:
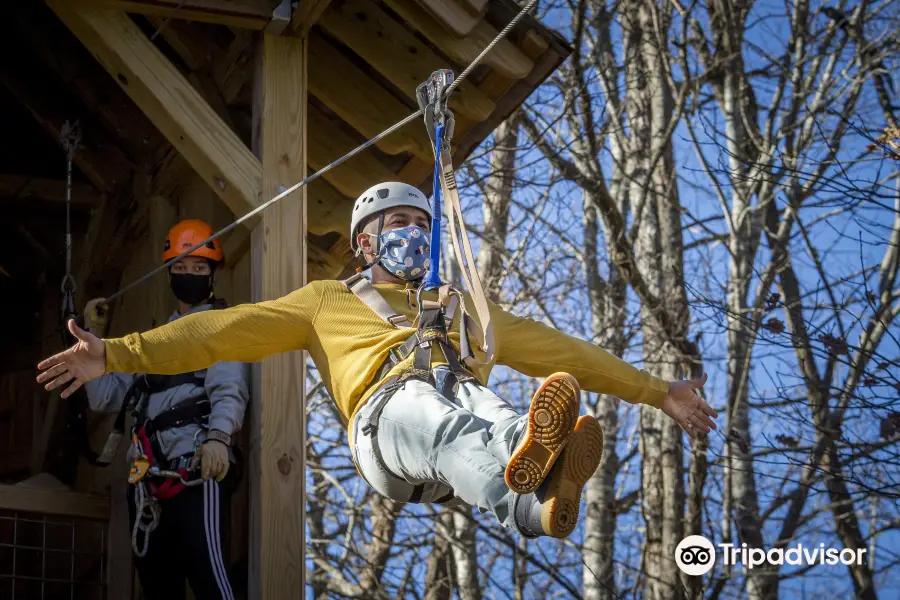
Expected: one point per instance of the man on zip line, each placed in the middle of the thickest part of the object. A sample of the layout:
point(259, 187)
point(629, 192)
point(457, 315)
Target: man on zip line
point(422, 427)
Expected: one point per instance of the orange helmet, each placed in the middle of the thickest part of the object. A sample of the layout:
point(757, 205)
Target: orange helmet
point(187, 234)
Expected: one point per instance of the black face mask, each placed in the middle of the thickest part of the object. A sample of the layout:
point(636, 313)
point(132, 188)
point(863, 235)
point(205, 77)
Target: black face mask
point(191, 289)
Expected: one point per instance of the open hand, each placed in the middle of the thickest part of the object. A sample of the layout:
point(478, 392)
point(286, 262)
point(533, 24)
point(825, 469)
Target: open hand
point(688, 409)
point(84, 361)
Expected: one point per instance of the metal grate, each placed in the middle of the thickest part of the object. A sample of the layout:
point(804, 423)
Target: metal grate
point(48, 558)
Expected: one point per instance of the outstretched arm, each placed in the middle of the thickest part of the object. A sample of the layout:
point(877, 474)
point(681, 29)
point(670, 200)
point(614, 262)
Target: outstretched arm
point(537, 350)
point(244, 333)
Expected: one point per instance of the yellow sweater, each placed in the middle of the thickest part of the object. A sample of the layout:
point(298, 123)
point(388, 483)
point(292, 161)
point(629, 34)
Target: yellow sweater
point(348, 343)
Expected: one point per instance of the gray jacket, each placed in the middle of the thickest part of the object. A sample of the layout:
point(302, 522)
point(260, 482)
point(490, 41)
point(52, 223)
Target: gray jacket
point(227, 386)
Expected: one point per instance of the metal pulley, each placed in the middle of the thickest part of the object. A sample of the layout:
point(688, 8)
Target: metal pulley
point(431, 95)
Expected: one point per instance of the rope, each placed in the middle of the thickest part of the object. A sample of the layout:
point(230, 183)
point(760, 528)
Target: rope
point(146, 507)
point(331, 165)
point(70, 136)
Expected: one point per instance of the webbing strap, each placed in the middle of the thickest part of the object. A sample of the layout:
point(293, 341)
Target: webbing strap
point(366, 292)
point(468, 270)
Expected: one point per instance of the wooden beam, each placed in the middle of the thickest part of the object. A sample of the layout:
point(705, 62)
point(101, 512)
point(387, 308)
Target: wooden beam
point(277, 515)
point(306, 15)
point(339, 84)
point(504, 58)
point(327, 142)
point(192, 41)
point(328, 263)
point(54, 502)
point(453, 16)
point(397, 53)
point(243, 14)
point(197, 44)
point(327, 209)
point(170, 101)
point(49, 190)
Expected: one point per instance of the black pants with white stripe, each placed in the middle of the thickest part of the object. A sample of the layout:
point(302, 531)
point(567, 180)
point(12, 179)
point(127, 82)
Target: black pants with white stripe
point(188, 544)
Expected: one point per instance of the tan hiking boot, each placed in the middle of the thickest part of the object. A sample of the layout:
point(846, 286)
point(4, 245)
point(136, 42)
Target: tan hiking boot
point(551, 422)
point(553, 509)
point(562, 500)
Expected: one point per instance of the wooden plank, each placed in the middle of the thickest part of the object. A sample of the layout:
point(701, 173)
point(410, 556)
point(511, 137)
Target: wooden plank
point(54, 502)
point(504, 58)
point(170, 101)
point(49, 190)
point(475, 7)
point(397, 53)
point(192, 41)
point(416, 171)
point(339, 84)
point(328, 142)
point(233, 69)
point(453, 16)
point(277, 516)
point(328, 263)
point(327, 209)
point(243, 14)
point(307, 14)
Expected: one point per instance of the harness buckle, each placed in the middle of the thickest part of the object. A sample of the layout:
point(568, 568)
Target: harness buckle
point(394, 319)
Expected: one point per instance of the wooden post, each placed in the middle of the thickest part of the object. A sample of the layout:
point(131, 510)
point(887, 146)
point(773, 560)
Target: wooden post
point(277, 504)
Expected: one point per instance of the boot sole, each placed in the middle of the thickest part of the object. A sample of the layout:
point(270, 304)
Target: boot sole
point(578, 463)
point(551, 422)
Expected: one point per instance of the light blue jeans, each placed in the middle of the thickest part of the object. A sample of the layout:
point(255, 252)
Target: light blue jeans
point(462, 443)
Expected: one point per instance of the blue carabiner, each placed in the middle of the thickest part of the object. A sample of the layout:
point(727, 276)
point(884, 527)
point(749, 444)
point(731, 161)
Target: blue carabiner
point(433, 279)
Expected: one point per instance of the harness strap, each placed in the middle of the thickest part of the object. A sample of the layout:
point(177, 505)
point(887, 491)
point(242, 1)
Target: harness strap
point(191, 410)
point(469, 273)
point(366, 292)
point(135, 399)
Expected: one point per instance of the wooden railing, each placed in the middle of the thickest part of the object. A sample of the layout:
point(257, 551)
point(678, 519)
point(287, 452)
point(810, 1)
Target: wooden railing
point(54, 502)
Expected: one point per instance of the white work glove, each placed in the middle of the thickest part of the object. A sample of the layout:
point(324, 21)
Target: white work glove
point(688, 409)
point(95, 312)
point(214, 460)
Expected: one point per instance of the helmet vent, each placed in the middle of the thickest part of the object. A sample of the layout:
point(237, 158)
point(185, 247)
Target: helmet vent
point(383, 193)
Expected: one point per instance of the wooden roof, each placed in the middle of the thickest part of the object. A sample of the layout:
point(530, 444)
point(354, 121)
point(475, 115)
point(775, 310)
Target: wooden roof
point(366, 58)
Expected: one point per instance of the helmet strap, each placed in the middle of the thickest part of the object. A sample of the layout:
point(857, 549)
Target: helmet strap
point(377, 248)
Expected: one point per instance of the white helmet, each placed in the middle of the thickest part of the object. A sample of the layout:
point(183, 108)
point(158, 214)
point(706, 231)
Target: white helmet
point(382, 196)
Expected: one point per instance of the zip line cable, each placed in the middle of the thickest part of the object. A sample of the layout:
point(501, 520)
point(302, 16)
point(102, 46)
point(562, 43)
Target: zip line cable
point(331, 165)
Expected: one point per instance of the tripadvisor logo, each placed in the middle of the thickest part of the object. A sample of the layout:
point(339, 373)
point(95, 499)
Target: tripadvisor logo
point(696, 555)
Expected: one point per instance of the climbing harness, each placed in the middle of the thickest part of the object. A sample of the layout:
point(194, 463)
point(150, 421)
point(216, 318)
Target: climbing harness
point(372, 141)
point(434, 320)
point(154, 478)
point(70, 137)
point(439, 122)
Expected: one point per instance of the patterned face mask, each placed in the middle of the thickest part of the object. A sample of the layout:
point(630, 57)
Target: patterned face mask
point(404, 252)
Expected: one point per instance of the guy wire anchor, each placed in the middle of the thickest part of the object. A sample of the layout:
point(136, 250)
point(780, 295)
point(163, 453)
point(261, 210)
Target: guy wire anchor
point(431, 96)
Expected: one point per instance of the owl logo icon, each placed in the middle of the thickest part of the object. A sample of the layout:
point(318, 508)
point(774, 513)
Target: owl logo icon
point(695, 555)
